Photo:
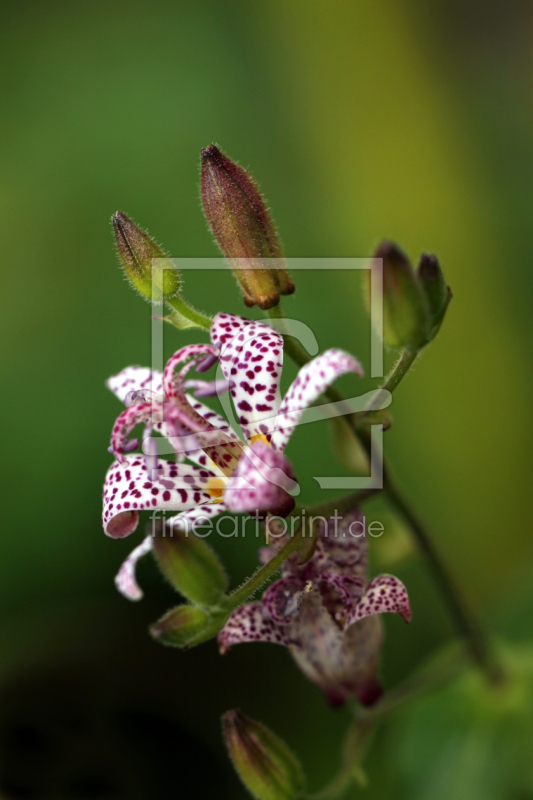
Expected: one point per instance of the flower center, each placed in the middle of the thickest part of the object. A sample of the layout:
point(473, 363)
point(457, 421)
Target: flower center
point(215, 487)
point(259, 437)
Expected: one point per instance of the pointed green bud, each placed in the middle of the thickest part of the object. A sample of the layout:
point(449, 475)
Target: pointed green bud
point(190, 565)
point(241, 223)
point(181, 626)
point(266, 766)
point(406, 319)
point(438, 294)
point(136, 250)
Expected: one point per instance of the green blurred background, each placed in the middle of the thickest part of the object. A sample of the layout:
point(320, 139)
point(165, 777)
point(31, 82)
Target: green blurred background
point(361, 121)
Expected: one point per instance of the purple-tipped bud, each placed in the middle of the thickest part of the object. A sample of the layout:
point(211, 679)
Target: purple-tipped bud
point(264, 763)
point(241, 223)
point(154, 280)
point(190, 565)
point(438, 294)
point(406, 317)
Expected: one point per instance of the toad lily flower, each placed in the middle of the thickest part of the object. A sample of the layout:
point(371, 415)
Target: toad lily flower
point(325, 612)
point(214, 469)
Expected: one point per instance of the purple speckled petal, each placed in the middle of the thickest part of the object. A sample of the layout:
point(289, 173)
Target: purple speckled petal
point(384, 593)
point(150, 413)
point(219, 442)
point(125, 579)
point(342, 548)
point(282, 599)
point(136, 379)
point(251, 357)
point(248, 624)
point(312, 380)
point(128, 490)
point(261, 482)
point(197, 352)
point(347, 589)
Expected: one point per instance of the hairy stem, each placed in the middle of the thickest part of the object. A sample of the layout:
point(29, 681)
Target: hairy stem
point(195, 318)
point(395, 376)
point(262, 574)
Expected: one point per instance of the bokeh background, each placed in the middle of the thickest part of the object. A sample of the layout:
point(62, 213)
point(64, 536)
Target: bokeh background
point(361, 121)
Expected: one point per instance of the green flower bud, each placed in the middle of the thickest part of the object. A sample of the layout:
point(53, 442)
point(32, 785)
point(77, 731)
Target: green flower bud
point(190, 565)
point(181, 626)
point(266, 766)
point(155, 281)
point(438, 294)
point(406, 317)
point(241, 223)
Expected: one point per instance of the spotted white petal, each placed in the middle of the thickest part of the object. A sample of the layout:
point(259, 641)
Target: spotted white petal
point(125, 579)
point(312, 381)
point(128, 489)
point(133, 380)
point(248, 624)
point(251, 357)
point(383, 594)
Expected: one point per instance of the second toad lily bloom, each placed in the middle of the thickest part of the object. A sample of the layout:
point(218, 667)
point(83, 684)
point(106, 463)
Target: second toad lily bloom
point(326, 612)
point(214, 469)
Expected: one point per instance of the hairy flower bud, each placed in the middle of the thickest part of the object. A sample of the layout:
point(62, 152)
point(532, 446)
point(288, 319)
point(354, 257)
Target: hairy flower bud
point(190, 565)
point(266, 766)
point(241, 223)
point(181, 626)
point(406, 317)
point(438, 294)
point(136, 250)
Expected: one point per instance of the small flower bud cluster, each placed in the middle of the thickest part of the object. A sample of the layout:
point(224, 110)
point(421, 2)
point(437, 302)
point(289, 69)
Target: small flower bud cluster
point(414, 303)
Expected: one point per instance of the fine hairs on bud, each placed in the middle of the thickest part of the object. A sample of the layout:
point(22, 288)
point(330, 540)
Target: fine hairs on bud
point(243, 228)
point(136, 251)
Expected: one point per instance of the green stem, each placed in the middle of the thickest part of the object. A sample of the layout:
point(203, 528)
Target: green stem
point(465, 622)
point(262, 574)
point(400, 369)
point(395, 376)
point(438, 672)
point(196, 318)
point(354, 746)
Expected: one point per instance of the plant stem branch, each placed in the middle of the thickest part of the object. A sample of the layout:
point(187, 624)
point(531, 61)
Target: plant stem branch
point(262, 574)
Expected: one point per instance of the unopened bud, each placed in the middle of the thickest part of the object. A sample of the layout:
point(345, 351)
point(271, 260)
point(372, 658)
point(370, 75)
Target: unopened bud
point(266, 766)
point(190, 565)
point(406, 319)
point(241, 223)
point(181, 626)
point(154, 280)
point(438, 294)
